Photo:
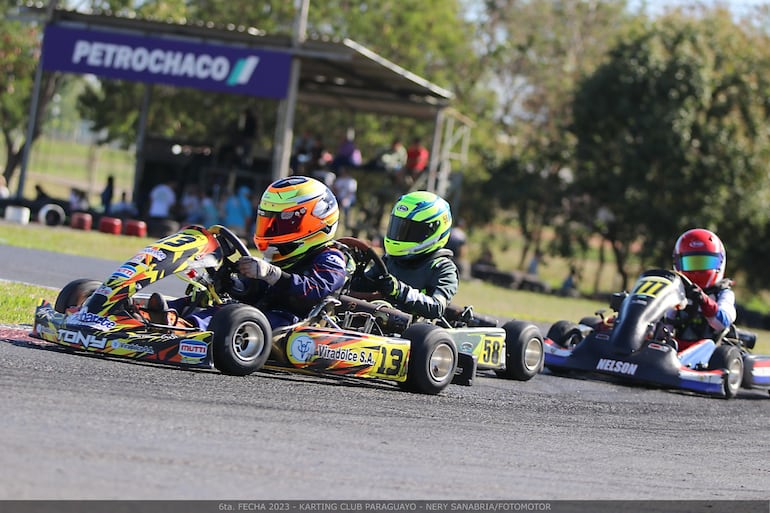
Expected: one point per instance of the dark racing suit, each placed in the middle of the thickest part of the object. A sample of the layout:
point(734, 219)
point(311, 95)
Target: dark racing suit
point(318, 274)
point(428, 283)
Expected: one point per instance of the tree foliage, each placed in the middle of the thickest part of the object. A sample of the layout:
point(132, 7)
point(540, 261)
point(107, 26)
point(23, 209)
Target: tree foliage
point(672, 134)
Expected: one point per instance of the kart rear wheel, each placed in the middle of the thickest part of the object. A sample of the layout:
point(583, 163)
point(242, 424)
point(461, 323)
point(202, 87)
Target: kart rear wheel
point(75, 293)
point(730, 358)
point(560, 333)
point(524, 353)
point(432, 359)
point(242, 339)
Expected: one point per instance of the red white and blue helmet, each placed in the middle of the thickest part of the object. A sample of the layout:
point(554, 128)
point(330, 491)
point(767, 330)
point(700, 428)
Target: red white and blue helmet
point(700, 256)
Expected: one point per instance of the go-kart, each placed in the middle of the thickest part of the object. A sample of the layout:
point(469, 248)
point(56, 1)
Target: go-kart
point(512, 349)
point(635, 345)
point(116, 319)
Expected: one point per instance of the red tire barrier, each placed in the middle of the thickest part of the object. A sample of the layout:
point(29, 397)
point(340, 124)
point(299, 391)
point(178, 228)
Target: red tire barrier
point(81, 221)
point(136, 228)
point(111, 225)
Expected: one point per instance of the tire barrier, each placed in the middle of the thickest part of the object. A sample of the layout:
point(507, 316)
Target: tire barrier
point(51, 215)
point(16, 214)
point(81, 221)
point(111, 225)
point(136, 228)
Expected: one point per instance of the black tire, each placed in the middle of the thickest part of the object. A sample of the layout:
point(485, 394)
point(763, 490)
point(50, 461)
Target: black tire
point(728, 357)
point(242, 339)
point(560, 331)
point(432, 359)
point(75, 293)
point(591, 321)
point(524, 354)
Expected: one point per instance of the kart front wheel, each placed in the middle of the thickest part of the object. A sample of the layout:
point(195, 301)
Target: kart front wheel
point(242, 339)
point(729, 358)
point(524, 352)
point(432, 359)
point(75, 293)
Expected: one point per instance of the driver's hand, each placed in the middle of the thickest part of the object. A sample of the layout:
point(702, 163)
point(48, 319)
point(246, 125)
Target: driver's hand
point(388, 285)
point(259, 269)
point(707, 305)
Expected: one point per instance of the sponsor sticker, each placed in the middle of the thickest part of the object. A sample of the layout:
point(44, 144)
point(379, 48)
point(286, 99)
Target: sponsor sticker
point(302, 348)
point(193, 349)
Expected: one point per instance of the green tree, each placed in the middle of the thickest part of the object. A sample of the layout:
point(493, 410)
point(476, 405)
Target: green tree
point(672, 133)
point(535, 52)
point(19, 50)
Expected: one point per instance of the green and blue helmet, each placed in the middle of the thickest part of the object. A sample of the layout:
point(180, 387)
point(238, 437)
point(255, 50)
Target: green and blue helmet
point(419, 224)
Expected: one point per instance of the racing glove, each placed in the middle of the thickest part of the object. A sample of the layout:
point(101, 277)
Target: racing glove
point(259, 269)
point(389, 286)
point(708, 306)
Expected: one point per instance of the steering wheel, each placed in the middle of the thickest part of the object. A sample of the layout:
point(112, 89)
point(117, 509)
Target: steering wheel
point(232, 246)
point(365, 259)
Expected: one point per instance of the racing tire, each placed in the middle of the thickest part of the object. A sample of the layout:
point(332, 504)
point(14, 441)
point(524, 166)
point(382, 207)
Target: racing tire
point(75, 293)
point(242, 339)
point(561, 332)
point(524, 353)
point(730, 358)
point(432, 359)
point(590, 321)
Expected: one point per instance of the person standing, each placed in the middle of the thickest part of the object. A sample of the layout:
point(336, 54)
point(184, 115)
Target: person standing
point(107, 194)
point(162, 200)
point(345, 188)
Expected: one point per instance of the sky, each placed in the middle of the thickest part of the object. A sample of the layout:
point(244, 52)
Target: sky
point(737, 6)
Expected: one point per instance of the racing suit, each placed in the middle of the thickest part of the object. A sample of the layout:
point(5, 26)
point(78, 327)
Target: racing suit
point(426, 283)
point(692, 323)
point(318, 274)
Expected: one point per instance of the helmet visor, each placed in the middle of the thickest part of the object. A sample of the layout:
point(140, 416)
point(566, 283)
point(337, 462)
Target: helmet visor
point(700, 262)
point(278, 224)
point(406, 230)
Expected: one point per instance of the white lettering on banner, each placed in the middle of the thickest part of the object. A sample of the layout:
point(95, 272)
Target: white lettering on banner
point(157, 61)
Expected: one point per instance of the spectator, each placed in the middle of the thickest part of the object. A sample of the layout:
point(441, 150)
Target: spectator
point(238, 211)
point(347, 154)
point(456, 243)
point(417, 157)
point(107, 194)
point(191, 205)
point(123, 208)
point(392, 159)
point(345, 188)
point(569, 285)
point(162, 200)
point(209, 210)
point(78, 200)
point(535, 262)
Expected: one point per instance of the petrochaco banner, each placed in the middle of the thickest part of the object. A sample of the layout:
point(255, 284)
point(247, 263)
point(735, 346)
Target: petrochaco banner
point(176, 62)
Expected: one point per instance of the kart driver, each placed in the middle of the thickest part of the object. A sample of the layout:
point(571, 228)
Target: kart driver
point(422, 278)
point(295, 226)
point(700, 256)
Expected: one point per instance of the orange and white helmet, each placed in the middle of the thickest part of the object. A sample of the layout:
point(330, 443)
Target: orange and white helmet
point(700, 255)
point(295, 215)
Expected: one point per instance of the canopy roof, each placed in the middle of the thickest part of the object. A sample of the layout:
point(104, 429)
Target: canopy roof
point(341, 74)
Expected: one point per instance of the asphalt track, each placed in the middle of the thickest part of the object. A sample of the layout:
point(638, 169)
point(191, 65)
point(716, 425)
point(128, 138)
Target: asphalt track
point(87, 427)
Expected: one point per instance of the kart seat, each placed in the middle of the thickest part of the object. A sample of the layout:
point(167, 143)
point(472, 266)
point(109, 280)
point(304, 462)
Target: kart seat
point(157, 308)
